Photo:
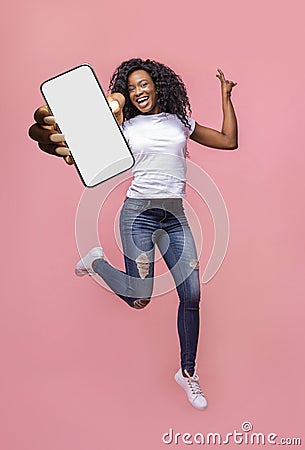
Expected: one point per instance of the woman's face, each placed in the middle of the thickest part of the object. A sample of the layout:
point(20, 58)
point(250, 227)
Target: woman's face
point(142, 92)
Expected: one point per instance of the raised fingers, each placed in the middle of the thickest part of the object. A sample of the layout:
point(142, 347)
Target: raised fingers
point(220, 75)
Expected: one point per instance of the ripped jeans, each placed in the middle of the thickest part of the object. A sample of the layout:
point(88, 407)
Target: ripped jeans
point(144, 223)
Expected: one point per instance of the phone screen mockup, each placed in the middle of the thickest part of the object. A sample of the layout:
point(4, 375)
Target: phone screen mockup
point(96, 142)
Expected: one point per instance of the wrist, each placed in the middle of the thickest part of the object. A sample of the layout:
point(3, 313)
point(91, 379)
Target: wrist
point(226, 94)
point(226, 100)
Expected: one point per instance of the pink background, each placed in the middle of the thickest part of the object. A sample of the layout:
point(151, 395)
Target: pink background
point(82, 371)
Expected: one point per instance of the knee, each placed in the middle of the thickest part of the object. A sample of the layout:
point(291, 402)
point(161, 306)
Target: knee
point(191, 296)
point(192, 305)
point(192, 290)
point(142, 262)
point(140, 304)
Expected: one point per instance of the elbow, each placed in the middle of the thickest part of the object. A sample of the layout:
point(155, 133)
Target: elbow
point(230, 142)
point(233, 146)
point(233, 143)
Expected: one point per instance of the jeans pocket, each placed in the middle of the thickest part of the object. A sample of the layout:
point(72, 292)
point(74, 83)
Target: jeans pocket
point(135, 204)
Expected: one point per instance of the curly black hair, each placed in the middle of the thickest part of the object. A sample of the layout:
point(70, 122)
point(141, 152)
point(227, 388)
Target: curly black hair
point(172, 95)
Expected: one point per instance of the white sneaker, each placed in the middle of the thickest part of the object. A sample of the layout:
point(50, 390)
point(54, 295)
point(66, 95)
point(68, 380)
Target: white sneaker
point(84, 265)
point(192, 389)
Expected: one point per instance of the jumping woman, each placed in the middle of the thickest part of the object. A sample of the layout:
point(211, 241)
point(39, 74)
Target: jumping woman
point(150, 103)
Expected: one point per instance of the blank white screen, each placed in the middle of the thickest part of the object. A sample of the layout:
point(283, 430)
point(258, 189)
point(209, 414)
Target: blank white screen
point(91, 131)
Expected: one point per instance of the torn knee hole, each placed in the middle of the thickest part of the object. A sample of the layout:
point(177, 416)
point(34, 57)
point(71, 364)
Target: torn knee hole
point(139, 304)
point(143, 265)
point(194, 264)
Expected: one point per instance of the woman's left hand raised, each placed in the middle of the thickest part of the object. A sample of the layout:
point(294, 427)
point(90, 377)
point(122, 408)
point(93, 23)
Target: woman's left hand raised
point(226, 85)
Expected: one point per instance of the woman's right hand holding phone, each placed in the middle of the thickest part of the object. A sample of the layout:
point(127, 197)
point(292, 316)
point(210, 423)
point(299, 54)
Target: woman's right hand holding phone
point(49, 140)
point(45, 132)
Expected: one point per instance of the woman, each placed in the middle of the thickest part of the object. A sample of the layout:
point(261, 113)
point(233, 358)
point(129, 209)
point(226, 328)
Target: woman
point(151, 104)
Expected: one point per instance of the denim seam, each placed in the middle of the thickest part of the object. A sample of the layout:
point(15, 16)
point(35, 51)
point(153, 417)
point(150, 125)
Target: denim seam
point(184, 303)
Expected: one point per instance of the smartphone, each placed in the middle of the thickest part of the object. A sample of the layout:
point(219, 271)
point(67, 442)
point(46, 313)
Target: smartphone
point(97, 144)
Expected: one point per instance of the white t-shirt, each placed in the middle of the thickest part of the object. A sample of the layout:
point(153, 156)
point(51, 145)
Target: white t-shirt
point(158, 143)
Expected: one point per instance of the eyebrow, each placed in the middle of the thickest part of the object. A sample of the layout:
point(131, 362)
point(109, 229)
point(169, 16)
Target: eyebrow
point(129, 84)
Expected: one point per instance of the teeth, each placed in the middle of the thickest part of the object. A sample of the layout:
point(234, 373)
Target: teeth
point(141, 100)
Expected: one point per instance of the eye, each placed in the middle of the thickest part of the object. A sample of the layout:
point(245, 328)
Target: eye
point(144, 84)
point(130, 88)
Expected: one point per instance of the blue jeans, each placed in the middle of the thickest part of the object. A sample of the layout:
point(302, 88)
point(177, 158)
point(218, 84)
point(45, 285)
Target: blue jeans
point(144, 223)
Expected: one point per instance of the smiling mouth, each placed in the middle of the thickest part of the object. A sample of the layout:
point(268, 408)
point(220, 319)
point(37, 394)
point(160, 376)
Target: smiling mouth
point(142, 101)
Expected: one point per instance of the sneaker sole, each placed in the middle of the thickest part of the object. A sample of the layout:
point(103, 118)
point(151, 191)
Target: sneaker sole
point(79, 272)
point(199, 409)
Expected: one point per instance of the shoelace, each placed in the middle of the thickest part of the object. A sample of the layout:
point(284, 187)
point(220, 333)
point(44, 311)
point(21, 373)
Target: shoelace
point(193, 383)
point(84, 269)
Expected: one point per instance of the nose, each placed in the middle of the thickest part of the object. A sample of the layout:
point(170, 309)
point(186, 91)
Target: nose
point(138, 91)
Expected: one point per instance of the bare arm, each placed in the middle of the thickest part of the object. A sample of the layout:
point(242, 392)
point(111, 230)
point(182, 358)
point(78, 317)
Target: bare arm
point(227, 138)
